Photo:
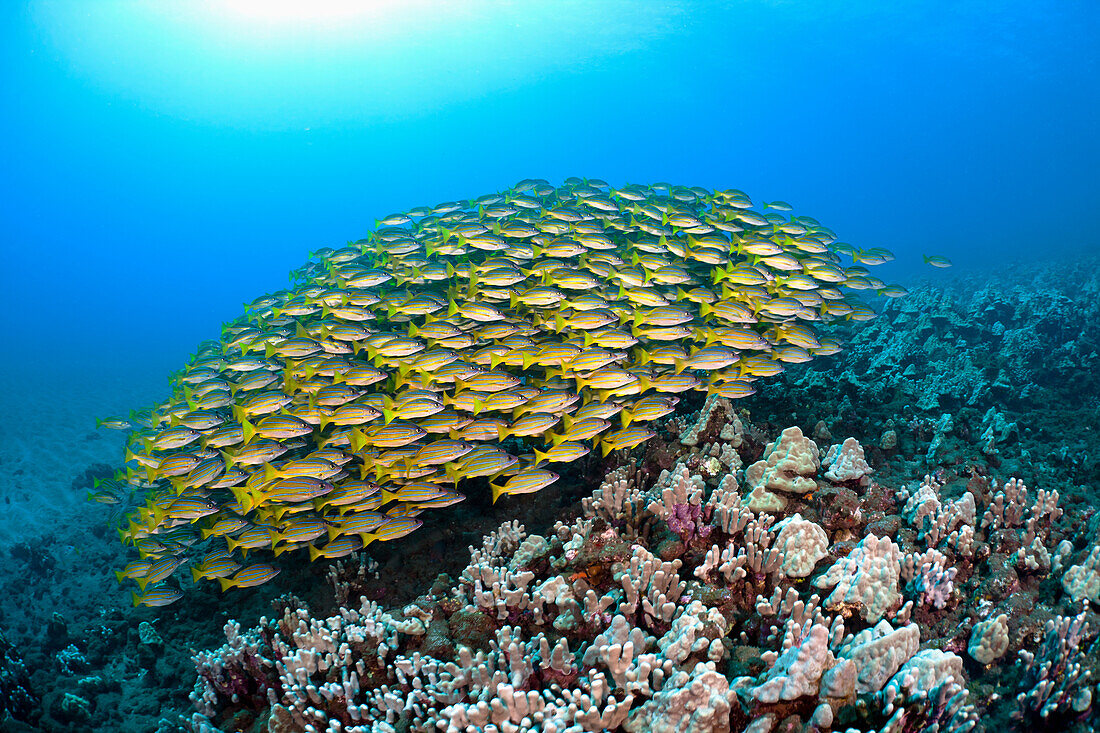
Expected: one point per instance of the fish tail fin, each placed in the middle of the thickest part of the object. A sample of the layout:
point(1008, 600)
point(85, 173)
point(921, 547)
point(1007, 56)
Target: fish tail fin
point(627, 418)
point(195, 575)
point(189, 398)
point(225, 584)
point(497, 491)
point(314, 553)
point(249, 431)
point(680, 365)
point(605, 447)
point(136, 599)
point(178, 484)
point(243, 498)
point(540, 456)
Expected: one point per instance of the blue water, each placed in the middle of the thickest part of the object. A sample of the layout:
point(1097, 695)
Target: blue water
point(162, 163)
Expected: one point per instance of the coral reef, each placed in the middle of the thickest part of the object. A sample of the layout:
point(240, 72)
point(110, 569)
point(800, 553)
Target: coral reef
point(997, 370)
point(671, 603)
point(991, 506)
point(16, 699)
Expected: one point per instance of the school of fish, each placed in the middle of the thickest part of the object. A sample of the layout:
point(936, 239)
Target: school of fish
point(486, 338)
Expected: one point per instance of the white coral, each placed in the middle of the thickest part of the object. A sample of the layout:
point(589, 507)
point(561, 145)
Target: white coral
point(1083, 581)
point(802, 543)
point(867, 578)
point(699, 701)
point(797, 672)
point(847, 462)
point(788, 466)
point(989, 639)
point(879, 652)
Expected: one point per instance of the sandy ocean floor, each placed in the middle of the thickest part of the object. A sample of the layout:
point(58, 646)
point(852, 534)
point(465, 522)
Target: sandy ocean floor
point(50, 441)
point(49, 437)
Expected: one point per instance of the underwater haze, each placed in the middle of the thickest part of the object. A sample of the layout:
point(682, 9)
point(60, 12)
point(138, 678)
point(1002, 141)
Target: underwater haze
point(796, 224)
point(174, 159)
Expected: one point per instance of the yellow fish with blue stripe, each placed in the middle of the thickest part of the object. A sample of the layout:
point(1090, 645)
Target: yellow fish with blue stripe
point(427, 351)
